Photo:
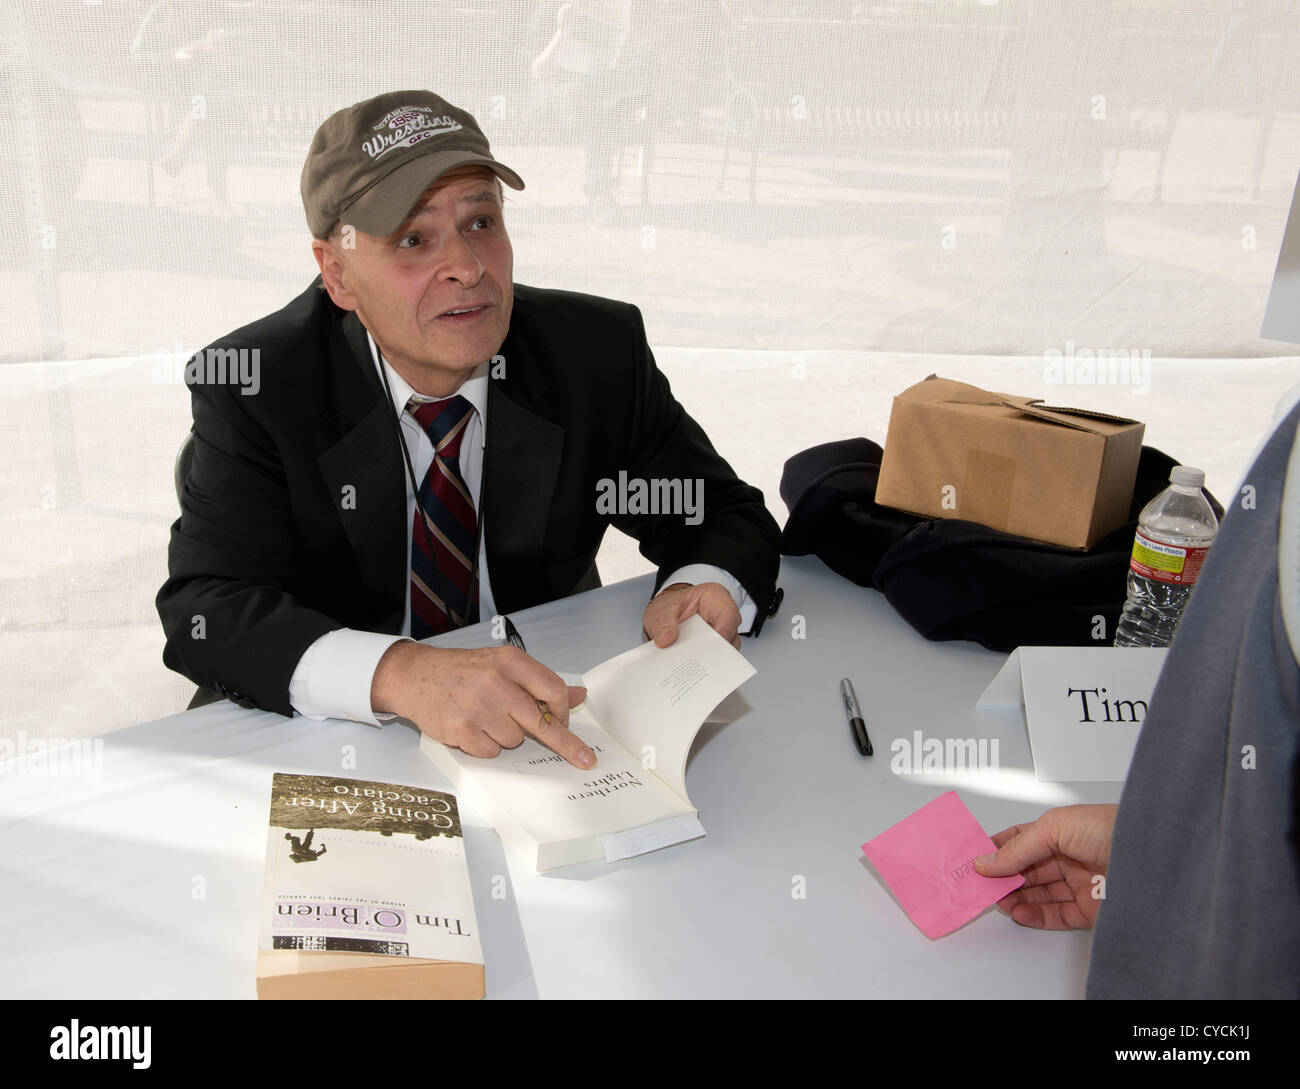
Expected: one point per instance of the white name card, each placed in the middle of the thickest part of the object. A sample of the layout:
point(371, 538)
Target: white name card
point(1282, 316)
point(1084, 707)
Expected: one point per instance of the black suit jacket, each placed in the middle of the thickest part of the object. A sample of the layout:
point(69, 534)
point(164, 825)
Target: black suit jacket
point(293, 515)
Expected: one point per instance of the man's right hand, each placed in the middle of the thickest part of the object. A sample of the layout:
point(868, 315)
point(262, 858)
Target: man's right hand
point(479, 701)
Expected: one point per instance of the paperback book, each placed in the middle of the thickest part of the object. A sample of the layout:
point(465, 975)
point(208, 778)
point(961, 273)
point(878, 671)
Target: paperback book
point(366, 894)
point(642, 712)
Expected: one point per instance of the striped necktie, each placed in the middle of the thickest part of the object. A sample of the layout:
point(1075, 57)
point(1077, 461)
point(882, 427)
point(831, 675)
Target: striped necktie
point(451, 524)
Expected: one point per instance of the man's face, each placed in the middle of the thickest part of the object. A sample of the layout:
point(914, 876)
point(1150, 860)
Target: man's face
point(437, 294)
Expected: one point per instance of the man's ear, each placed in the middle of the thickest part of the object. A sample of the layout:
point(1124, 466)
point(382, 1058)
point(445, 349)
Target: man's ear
point(333, 273)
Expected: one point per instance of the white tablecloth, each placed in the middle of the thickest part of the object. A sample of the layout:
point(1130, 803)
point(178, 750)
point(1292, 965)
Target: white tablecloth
point(144, 880)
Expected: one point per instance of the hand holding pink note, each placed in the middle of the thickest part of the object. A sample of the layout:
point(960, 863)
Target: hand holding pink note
point(926, 860)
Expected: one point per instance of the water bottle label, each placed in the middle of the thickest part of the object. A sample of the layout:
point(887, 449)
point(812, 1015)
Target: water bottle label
point(1166, 563)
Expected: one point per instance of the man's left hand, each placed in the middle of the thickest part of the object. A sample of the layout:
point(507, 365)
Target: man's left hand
point(676, 604)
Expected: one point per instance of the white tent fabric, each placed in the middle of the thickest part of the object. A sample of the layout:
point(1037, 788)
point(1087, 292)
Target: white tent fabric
point(813, 203)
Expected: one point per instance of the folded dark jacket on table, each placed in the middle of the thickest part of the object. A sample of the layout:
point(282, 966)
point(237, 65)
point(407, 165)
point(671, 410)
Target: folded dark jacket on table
point(954, 579)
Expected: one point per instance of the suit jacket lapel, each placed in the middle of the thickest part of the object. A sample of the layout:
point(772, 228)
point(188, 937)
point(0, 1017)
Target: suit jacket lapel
point(367, 458)
point(521, 463)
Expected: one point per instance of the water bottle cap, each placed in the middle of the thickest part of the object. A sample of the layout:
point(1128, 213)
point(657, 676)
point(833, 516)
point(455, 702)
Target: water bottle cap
point(1186, 475)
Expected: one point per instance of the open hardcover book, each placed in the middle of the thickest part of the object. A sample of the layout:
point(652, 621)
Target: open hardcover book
point(366, 894)
point(641, 715)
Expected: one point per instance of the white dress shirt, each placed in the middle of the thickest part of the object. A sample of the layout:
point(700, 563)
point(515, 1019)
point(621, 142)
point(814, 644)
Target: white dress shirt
point(334, 675)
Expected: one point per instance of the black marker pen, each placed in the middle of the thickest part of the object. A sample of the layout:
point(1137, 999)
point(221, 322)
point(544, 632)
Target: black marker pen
point(855, 717)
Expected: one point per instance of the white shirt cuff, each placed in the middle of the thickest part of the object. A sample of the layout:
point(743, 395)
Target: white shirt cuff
point(696, 573)
point(334, 675)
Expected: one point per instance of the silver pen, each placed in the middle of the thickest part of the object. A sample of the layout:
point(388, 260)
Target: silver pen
point(516, 640)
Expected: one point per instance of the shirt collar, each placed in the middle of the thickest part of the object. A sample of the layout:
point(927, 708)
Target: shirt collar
point(474, 389)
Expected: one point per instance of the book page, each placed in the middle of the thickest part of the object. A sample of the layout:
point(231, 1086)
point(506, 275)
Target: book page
point(643, 710)
point(654, 699)
point(556, 801)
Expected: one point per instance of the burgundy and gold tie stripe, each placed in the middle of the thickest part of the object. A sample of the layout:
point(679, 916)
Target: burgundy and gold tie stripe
point(451, 525)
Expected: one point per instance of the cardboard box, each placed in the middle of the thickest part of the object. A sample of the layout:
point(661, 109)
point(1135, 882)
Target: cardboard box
point(1060, 475)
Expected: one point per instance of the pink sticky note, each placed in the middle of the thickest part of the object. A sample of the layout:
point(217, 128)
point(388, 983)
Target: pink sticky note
point(926, 860)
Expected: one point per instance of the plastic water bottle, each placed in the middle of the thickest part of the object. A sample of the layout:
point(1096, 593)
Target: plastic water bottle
point(1175, 531)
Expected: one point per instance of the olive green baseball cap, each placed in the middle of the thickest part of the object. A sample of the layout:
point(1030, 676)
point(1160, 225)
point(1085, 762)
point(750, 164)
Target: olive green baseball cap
point(369, 164)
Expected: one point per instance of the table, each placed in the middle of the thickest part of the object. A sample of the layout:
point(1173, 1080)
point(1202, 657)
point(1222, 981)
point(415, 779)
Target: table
point(141, 878)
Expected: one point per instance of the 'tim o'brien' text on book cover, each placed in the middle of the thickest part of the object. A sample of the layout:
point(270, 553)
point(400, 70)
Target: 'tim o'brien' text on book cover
point(366, 894)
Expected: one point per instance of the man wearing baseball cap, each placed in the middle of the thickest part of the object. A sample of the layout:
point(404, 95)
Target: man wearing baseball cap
point(430, 444)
